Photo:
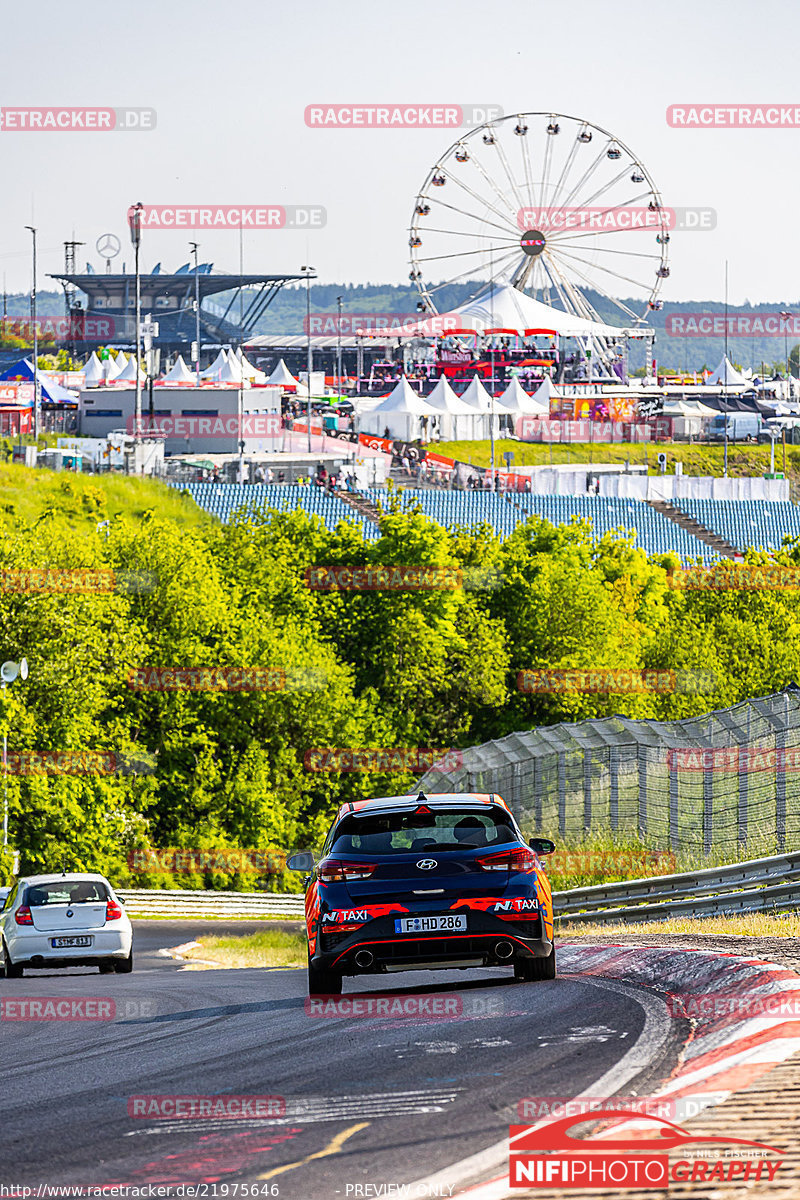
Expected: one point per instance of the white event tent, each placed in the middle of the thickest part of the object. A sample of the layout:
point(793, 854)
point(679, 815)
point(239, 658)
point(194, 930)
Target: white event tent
point(113, 367)
point(726, 375)
point(516, 400)
point(502, 306)
point(281, 376)
point(93, 371)
point(128, 375)
point(479, 400)
point(180, 373)
point(212, 371)
point(456, 420)
point(544, 394)
point(254, 374)
point(399, 412)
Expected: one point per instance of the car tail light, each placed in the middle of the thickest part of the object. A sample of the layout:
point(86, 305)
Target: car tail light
point(113, 910)
point(520, 859)
point(333, 870)
point(23, 915)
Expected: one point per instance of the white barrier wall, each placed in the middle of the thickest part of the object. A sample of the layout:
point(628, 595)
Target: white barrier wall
point(691, 487)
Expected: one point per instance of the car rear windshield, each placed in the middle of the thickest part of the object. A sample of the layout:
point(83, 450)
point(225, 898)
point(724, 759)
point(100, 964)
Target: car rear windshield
point(66, 891)
point(412, 832)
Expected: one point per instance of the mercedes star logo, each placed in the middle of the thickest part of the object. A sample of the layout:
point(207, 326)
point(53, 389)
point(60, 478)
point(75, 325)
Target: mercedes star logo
point(427, 864)
point(109, 245)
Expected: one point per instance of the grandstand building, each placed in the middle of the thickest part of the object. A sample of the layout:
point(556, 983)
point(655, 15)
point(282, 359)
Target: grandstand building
point(108, 315)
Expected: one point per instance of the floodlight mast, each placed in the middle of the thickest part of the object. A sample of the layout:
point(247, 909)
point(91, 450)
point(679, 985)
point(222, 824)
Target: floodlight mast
point(135, 222)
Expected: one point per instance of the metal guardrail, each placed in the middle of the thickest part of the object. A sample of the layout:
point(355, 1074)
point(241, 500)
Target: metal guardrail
point(177, 903)
point(761, 885)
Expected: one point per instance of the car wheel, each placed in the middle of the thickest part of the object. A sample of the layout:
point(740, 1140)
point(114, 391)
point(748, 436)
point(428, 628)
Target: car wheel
point(530, 970)
point(10, 970)
point(322, 982)
point(124, 966)
point(106, 968)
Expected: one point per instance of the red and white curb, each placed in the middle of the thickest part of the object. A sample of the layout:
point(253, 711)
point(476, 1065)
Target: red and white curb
point(723, 1054)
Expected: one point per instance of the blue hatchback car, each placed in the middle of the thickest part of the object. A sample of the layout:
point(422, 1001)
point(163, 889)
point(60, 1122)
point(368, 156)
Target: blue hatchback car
point(424, 882)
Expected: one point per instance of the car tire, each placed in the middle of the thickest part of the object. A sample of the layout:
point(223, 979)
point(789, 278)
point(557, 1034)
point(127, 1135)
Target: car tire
point(531, 970)
point(322, 982)
point(10, 970)
point(124, 966)
point(106, 968)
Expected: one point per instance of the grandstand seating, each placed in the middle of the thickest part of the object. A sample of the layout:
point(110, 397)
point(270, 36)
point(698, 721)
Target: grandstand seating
point(655, 533)
point(743, 523)
point(224, 499)
point(746, 524)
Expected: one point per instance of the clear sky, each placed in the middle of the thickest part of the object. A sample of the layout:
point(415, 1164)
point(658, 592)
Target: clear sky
point(230, 83)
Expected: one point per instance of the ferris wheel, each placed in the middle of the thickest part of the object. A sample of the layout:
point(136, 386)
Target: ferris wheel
point(556, 206)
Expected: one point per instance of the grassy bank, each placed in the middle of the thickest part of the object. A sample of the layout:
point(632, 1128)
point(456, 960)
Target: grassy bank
point(273, 949)
point(81, 501)
point(697, 458)
point(750, 925)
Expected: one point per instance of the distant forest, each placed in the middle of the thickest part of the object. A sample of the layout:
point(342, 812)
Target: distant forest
point(286, 312)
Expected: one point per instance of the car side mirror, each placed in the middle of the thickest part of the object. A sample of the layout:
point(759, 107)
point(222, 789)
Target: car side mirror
point(304, 861)
point(542, 845)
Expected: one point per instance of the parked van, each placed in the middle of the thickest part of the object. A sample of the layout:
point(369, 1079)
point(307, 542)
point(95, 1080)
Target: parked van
point(741, 427)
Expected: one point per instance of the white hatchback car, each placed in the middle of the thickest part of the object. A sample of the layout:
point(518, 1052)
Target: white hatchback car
point(65, 920)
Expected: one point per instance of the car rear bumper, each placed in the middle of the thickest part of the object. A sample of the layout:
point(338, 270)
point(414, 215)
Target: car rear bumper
point(488, 942)
point(35, 950)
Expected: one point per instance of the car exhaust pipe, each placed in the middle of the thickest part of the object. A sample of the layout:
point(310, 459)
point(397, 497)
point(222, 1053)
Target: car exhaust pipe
point(364, 958)
point(504, 950)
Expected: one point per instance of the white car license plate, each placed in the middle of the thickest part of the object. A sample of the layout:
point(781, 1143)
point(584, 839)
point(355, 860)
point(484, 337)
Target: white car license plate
point(62, 942)
point(449, 921)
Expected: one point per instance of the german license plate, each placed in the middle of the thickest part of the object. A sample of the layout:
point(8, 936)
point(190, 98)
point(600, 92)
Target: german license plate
point(63, 942)
point(447, 922)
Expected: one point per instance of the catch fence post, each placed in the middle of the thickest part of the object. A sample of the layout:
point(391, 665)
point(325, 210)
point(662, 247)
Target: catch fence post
point(613, 800)
point(562, 793)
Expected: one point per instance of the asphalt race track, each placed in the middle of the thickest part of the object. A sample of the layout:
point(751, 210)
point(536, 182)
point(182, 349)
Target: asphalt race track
point(367, 1100)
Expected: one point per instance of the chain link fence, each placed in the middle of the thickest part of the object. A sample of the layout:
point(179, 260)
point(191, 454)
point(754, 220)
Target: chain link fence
point(710, 783)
